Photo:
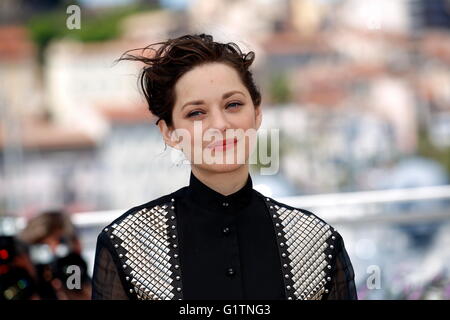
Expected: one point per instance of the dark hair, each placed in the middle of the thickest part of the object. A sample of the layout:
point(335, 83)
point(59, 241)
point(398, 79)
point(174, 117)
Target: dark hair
point(177, 56)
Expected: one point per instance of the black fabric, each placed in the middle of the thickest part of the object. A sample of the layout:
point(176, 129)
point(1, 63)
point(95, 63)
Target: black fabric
point(106, 282)
point(249, 246)
point(343, 287)
point(228, 250)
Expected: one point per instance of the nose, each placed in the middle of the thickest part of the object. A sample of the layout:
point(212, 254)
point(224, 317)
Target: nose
point(219, 121)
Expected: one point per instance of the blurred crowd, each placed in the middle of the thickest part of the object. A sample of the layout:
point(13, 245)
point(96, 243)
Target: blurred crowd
point(43, 261)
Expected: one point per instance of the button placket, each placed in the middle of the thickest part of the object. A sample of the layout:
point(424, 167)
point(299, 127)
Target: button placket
point(226, 230)
point(231, 272)
point(232, 261)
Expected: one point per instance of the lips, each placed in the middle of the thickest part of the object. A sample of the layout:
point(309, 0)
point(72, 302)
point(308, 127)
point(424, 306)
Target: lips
point(223, 143)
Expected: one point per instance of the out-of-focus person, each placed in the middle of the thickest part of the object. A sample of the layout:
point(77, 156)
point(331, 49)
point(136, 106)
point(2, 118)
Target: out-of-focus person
point(18, 277)
point(55, 249)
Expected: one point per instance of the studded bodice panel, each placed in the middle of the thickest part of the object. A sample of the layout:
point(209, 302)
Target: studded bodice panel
point(146, 243)
point(306, 250)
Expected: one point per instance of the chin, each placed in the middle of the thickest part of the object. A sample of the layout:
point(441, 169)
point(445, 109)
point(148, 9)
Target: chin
point(224, 167)
point(220, 168)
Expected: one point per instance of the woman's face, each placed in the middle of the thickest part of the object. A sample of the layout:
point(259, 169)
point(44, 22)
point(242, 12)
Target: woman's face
point(212, 105)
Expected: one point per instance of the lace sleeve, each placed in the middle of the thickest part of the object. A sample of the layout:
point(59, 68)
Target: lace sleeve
point(343, 283)
point(106, 282)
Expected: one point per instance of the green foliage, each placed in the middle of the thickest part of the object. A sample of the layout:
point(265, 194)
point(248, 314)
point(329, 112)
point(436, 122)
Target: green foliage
point(99, 25)
point(428, 150)
point(45, 27)
point(280, 90)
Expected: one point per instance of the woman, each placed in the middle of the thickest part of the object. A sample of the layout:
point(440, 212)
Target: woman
point(216, 238)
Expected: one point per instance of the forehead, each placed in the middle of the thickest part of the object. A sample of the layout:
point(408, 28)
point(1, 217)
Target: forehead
point(207, 81)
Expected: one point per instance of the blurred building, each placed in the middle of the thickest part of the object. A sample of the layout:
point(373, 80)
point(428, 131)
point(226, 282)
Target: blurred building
point(19, 72)
point(358, 85)
point(431, 13)
point(391, 16)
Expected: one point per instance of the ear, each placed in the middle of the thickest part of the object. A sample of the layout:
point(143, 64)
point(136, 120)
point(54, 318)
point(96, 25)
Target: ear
point(166, 133)
point(258, 116)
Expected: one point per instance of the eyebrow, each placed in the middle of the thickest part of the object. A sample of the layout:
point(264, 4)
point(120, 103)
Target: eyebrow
point(224, 96)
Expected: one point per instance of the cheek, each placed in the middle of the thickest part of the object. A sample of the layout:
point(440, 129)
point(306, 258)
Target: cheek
point(186, 130)
point(247, 120)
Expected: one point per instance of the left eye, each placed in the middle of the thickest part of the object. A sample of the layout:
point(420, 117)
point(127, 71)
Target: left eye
point(236, 104)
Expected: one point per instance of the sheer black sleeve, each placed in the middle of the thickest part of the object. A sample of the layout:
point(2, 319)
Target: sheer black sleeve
point(343, 283)
point(106, 282)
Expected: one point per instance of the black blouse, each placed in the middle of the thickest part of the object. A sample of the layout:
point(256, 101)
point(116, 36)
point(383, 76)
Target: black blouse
point(216, 247)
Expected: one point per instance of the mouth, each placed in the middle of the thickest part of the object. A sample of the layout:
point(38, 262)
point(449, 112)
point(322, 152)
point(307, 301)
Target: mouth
point(223, 144)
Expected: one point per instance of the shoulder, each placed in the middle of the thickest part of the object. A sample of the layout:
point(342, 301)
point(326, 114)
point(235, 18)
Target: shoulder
point(159, 206)
point(310, 246)
point(282, 207)
point(295, 221)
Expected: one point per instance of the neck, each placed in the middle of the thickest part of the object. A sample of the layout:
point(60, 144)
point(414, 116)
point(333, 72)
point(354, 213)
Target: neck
point(224, 183)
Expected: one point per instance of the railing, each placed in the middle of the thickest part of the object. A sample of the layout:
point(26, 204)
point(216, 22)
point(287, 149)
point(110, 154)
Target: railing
point(337, 208)
point(369, 209)
point(348, 207)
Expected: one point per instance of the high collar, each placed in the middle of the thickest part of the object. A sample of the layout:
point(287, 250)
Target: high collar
point(208, 198)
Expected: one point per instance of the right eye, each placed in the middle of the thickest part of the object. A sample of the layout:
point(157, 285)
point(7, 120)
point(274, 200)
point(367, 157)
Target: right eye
point(194, 113)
